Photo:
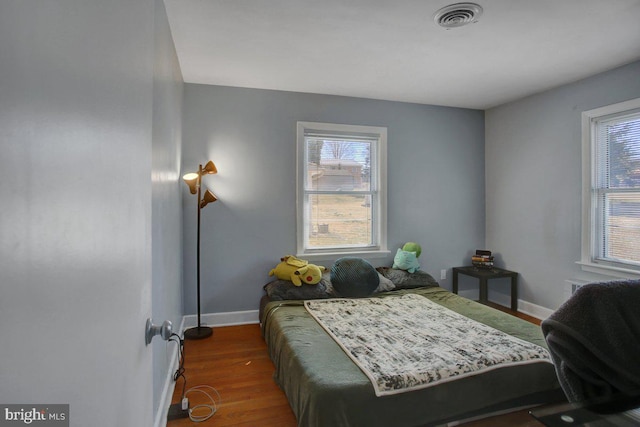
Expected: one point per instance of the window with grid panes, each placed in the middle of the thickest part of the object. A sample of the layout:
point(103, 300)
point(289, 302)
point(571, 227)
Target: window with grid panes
point(612, 209)
point(341, 189)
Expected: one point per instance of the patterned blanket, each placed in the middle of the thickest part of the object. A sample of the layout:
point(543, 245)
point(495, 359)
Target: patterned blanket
point(408, 342)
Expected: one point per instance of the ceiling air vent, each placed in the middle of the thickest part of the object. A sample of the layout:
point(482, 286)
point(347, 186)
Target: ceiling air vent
point(458, 15)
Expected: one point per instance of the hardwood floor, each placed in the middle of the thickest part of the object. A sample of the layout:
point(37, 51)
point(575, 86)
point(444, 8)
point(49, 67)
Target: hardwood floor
point(235, 362)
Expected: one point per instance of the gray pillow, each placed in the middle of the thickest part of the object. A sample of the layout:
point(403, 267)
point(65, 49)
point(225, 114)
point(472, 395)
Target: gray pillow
point(404, 280)
point(385, 284)
point(278, 290)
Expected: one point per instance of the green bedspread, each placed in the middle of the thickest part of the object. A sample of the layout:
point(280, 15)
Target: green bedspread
point(325, 388)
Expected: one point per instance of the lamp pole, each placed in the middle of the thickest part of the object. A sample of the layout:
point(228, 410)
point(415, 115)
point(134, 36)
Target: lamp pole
point(199, 332)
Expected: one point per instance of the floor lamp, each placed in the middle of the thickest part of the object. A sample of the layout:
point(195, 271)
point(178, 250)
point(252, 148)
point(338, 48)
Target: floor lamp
point(194, 180)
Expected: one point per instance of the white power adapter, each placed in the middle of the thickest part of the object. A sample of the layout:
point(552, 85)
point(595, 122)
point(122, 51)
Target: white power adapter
point(185, 404)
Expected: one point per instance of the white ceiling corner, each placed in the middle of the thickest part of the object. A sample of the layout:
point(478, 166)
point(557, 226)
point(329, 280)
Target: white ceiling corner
point(393, 50)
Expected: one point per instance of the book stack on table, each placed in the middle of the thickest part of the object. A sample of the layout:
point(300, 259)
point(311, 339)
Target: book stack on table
point(482, 259)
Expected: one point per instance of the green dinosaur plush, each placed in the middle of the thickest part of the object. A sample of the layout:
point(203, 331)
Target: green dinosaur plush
point(412, 247)
point(405, 260)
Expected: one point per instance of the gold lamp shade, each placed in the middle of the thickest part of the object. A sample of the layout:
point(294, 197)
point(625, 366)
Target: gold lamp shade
point(208, 197)
point(191, 179)
point(210, 167)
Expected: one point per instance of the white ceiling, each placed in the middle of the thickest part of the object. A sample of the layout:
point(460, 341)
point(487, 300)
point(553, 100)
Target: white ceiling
point(393, 50)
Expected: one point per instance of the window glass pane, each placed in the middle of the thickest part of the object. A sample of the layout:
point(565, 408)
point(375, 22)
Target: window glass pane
point(338, 164)
point(617, 175)
point(622, 227)
point(341, 188)
point(622, 140)
point(338, 220)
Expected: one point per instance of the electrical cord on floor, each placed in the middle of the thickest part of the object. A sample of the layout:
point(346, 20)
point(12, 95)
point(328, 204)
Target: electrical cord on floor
point(212, 407)
point(179, 373)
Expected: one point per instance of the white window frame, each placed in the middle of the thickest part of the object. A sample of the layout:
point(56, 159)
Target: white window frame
point(379, 231)
point(590, 232)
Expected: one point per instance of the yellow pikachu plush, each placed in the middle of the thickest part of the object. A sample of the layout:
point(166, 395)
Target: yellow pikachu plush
point(297, 271)
point(309, 274)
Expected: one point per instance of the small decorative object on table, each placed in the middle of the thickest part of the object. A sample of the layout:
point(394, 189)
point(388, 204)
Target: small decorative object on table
point(482, 259)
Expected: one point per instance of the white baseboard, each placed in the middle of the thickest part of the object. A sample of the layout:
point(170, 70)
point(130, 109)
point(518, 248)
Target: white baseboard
point(534, 310)
point(169, 385)
point(525, 307)
point(223, 319)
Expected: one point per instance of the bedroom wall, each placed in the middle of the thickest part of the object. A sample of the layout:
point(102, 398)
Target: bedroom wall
point(435, 183)
point(166, 209)
point(76, 91)
point(533, 181)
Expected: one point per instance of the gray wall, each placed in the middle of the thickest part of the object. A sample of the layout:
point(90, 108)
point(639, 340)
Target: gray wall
point(435, 183)
point(533, 180)
point(166, 238)
point(77, 102)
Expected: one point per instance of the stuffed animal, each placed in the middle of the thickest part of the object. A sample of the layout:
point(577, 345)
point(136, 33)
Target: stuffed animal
point(288, 264)
point(405, 260)
point(413, 247)
point(309, 274)
point(297, 271)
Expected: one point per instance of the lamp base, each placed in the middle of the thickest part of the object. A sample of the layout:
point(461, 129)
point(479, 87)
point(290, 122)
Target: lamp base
point(198, 333)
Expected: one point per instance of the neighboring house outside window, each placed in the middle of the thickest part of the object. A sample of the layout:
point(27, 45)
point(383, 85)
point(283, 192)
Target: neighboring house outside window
point(341, 199)
point(611, 189)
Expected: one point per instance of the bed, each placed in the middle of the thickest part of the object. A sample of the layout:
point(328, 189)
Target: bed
point(325, 386)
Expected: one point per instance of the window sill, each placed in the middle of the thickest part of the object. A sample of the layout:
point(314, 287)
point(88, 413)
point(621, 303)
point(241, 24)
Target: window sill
point(607, 270)
point(335, 255)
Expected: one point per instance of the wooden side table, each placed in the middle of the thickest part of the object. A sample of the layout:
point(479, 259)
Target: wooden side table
point(484, 274)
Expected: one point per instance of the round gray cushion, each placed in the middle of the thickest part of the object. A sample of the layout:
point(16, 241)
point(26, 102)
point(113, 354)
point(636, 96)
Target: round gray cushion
point(354, 277)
